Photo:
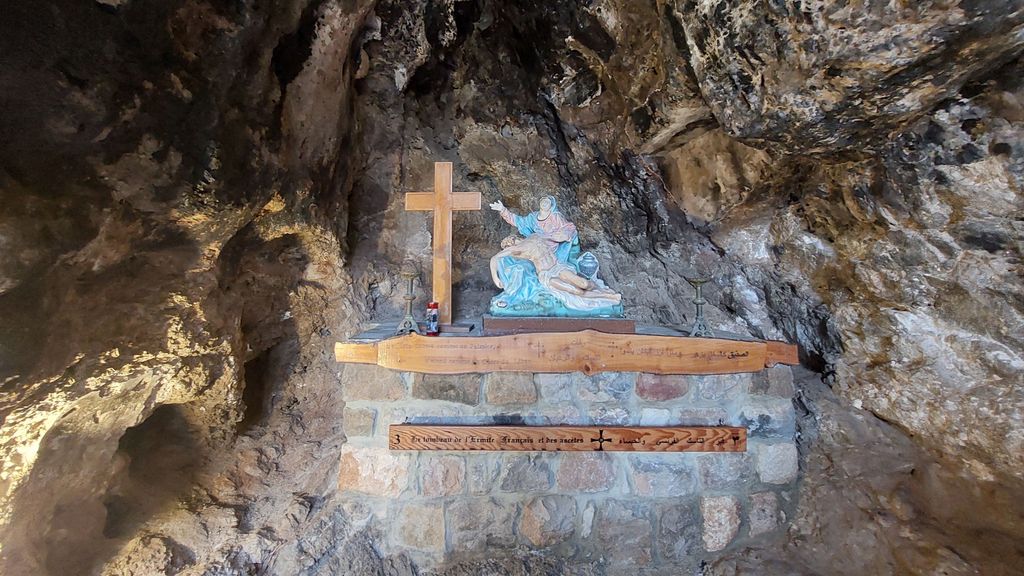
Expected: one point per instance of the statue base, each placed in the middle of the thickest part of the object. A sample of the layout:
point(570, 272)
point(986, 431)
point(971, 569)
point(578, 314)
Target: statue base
point(549, 307)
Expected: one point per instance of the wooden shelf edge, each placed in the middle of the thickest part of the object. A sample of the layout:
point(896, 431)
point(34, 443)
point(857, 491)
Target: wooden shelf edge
point(355, 352)
point(781, 353)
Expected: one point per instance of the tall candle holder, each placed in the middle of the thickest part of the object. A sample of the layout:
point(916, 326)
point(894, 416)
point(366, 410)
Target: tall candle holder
point(408, 324)
point(700, 327)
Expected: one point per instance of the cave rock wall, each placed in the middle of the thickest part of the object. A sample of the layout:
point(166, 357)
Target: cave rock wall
point(199, 198)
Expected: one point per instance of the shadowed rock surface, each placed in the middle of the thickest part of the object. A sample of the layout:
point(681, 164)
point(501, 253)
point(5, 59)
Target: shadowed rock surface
point(199, 198)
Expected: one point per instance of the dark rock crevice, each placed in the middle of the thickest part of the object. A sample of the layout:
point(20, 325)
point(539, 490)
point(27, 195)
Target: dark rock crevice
point(294, 48)
point(160, 459)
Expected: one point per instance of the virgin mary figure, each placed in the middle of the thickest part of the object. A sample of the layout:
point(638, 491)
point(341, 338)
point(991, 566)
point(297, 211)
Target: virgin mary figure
point(542, 273)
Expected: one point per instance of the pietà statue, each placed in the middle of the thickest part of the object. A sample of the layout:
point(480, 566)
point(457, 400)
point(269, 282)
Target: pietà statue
point(541, 271)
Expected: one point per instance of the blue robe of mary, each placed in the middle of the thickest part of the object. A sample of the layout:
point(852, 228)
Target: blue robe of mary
point(525, 295)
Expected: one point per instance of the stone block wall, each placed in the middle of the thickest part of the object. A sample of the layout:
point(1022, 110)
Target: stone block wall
point(649, 512)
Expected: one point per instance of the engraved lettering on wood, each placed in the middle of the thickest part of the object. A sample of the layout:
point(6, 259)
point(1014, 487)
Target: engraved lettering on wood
point(588, 352)
point(568, 438)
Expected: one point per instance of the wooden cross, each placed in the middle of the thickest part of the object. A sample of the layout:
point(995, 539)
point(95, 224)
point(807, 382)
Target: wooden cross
point(442, 201)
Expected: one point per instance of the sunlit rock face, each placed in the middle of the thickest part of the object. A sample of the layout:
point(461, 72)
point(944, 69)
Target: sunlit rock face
point(164, 194)
point(831, 77)
point(199, 198)
point(916, 255)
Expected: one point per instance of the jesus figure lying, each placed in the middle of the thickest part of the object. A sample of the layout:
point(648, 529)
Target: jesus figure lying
point(553, 274)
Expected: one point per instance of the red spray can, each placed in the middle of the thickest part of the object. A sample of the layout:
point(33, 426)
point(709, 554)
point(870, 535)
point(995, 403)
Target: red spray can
point(432, 328)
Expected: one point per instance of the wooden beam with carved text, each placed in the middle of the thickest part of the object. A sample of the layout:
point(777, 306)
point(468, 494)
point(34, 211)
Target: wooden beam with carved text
point(568, 438)
point(587, 351)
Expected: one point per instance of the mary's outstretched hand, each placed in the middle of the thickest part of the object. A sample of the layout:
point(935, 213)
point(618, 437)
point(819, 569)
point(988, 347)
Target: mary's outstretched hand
point(497, 206)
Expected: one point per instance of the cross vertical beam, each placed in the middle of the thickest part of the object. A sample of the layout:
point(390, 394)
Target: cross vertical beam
point(442, 201)
point(442, 284)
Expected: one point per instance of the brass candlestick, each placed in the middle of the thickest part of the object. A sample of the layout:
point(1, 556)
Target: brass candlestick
point(700, 327)
point(408, 324)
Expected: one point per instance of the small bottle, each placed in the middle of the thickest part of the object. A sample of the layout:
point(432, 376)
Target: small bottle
point(432, 327)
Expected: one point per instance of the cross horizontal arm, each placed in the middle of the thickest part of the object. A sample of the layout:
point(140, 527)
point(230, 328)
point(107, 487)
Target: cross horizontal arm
point(424, 201)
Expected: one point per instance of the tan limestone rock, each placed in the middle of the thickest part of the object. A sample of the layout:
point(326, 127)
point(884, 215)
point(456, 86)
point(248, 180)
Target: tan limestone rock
point(359, 421)
point(547, 520)
point(421, 526)
point(373, 471)
point(442, 475)
point(586, 472)
point(368, 382)
point(777, 463)
point(721, 521)
point(505, 388)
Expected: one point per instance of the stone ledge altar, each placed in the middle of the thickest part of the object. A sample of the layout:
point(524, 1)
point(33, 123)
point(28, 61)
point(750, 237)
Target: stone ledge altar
point(550, 313)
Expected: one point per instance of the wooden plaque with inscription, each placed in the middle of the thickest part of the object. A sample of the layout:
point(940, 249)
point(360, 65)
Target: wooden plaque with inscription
point(568, 438)
point(588, 351)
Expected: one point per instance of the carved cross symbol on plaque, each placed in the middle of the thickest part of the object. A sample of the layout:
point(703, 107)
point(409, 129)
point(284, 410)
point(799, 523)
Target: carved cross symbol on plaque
point(601, 440)
point(442, 201)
